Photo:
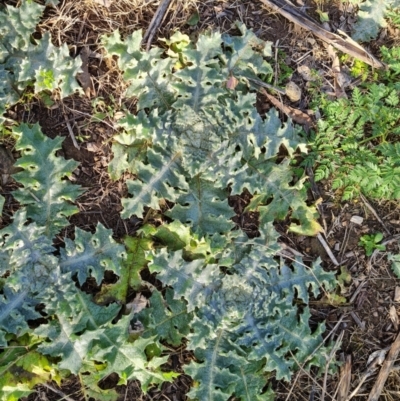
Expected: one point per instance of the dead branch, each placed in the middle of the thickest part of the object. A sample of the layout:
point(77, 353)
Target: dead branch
point(345, 44)
point(385, 370)
point(156, 22)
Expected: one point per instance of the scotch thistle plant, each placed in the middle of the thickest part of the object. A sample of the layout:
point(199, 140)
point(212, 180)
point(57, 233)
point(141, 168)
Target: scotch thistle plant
point(192, 143)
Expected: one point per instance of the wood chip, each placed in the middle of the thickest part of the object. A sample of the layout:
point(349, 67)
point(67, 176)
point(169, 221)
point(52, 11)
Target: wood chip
point(377, 357)
point(92, 147)
point(104, 3)
point(84, 76)
point(296, 115)
point(361, 324)
point(357, 220)
point(345, 379)
point(339, 90)
point(397, 294)
point(394, 317)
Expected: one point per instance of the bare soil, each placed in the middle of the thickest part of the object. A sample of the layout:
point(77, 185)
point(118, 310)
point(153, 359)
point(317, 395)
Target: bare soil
point(366, 319)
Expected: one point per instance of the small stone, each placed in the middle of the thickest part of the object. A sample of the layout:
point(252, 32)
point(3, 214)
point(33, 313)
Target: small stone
point(357, 220)
point(343, 79)
point(305, 73)
point(326, 26)
point(311, 41)
point(92, 147)
point(293, 92)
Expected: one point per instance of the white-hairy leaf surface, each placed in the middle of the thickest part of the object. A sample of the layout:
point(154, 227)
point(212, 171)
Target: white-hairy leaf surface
point(90, 255)
point(27, 61)
point(46, 194)
point(18, 23)
point(49, 67)
point(192, 280)
point(160, 178)
point(371, 18)
point(205, 208)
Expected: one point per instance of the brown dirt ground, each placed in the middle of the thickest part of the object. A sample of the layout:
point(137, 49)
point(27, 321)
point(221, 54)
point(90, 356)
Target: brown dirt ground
point(366, 321)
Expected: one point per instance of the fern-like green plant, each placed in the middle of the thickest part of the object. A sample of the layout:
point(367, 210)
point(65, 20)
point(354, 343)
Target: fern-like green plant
point(356, 142)
point(394, 16)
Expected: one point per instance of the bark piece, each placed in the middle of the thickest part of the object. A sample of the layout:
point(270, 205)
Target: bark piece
point(296, 115)
point(345, 379)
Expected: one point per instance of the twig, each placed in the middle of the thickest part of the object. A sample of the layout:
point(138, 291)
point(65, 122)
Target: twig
point(327, 249)
point(313, 379)
point(155, 22)
point(267, 86)
point(346, 238)
point(355, 391)
point(91, 116)
point(346, 44)
point(71, 132)
point(357, 291)
point(54, 390)
point(366, 203)
point(385, 370)
point(34, 196)
point(276, 62)
point(287, 248)
point(371, 369)
point(355, 317)
point(330, 334)
point(330, 357)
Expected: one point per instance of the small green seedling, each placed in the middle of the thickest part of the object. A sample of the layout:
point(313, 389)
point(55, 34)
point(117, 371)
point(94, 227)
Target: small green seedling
point(371, 242)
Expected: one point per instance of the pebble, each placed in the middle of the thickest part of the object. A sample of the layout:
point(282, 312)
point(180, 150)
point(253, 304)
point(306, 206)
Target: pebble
point(305, 73)
point(293, 92)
